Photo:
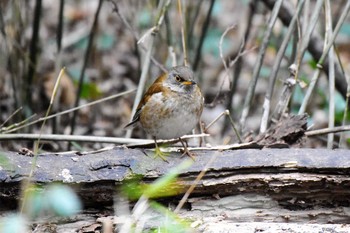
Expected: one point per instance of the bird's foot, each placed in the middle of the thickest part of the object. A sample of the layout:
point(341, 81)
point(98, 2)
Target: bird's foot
point(158, 153)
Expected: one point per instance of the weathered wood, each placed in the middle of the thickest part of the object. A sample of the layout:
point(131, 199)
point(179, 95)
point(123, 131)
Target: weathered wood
point(279, 186)
point(296, 178)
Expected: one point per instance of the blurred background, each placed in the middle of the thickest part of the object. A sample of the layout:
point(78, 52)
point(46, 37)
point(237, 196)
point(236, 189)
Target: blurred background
point(99, 44)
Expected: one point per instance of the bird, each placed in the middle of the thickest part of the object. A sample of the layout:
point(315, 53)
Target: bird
point(171, 107)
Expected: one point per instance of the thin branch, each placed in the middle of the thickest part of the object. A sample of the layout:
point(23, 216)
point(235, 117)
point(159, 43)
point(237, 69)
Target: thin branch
point(322, 60)
point(97, 139)
point(342, 138)
point(257, 67)
point(286, 94)
point(11, 129)
point(58, 60)
point(192, 22)
point(195, 183)
point(203, 34)
point(14, 113)
point(238, 61)
point(225, 113)
point(337, 129)
point(60, 25)
point(183, 32)
point(27, 182)
point(331, 113)
point(135, 35)
point(275, 69)
point(86, 59)
point(33, 53)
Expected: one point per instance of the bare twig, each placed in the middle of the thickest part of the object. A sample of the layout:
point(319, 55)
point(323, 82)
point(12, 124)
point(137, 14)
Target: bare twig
point(21, 125)
point(15, 126)
point(86, 59)
point(80, 138)
point(239, 60)
point(337, 129)
point(192, 22)
point(329, 34)
point(183, 32)
point(315, 46)
point(33, 51)
point(26, 184)
point(195, 182)
point(322, 59)
point(202, 36)
point(273, 75)
point(14, 113)
point(286, 94)
point(226, 113)
point(275, 68)
point(58, 60)
point(135, 35)
point(257, 67)
point(342, 138)
point(60, 25)
point(227, 30)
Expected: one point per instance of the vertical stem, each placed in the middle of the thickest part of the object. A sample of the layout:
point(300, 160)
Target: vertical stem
point(329, 33)
point(33, 52)
point(60, 26)
point(322, 58)
point(86, 59)
point(203, 33)
point(183, 32)
point(238, 66)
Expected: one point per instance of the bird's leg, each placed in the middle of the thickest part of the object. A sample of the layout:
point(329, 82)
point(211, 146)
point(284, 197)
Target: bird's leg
point(158, 152)
point(185, 150)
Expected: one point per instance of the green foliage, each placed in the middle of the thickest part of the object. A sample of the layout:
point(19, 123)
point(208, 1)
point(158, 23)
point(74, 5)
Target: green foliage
point(89, 89)
point(313, 63)
point(162, 187)
point(57, 199)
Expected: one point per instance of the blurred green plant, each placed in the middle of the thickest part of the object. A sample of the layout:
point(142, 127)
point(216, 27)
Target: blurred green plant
point(90, 89)
point(162, 187)
point(52, 200)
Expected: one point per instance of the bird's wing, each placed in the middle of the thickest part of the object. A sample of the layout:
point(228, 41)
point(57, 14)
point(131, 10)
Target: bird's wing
point(154, 88)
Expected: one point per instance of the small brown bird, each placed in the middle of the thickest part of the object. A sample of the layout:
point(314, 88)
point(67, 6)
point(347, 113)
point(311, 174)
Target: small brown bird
point(171, 107)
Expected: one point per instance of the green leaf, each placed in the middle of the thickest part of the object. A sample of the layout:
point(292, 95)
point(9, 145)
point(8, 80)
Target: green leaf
point(162, 187)
point(90, 89)
point(133, 188)
point(167, 184)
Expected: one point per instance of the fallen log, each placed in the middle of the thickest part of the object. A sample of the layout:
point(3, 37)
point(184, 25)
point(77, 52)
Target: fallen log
point(296, 178)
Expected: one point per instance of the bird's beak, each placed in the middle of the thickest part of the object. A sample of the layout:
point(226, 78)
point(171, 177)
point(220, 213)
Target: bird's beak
point(189, 83)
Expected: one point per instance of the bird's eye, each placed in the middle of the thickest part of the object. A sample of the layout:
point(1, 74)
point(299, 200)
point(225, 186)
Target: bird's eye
point(178, 78)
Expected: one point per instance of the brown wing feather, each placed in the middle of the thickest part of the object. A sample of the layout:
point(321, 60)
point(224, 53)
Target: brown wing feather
point(154, 88)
